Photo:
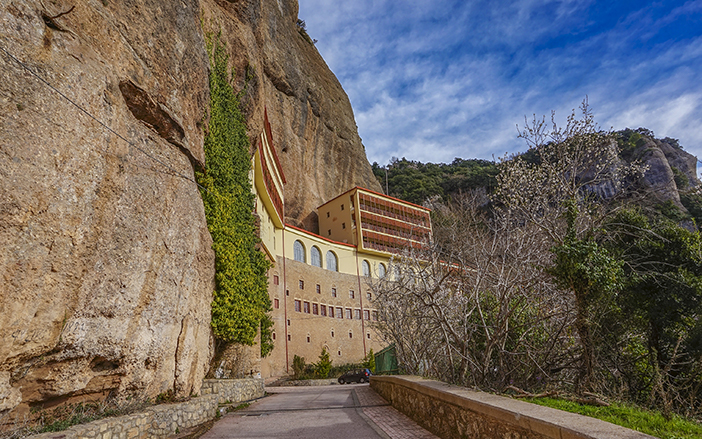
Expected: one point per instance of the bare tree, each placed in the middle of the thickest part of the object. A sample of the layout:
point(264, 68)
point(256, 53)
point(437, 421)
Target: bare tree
point(564, 186)
point(475, 308)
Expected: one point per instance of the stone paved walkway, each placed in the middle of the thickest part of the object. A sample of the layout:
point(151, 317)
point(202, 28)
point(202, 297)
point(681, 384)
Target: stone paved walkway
point(349, 411)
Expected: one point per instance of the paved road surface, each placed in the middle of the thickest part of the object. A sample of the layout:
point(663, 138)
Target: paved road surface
point(349, 411)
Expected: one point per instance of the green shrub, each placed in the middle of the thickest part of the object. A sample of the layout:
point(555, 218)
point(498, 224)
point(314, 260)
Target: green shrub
point(324, 365)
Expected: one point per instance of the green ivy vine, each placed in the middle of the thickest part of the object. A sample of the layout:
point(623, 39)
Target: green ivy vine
point(241, 304)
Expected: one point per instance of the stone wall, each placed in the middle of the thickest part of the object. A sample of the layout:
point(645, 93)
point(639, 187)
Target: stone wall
point(234, 390)
point(164, 420)
point(456, 412)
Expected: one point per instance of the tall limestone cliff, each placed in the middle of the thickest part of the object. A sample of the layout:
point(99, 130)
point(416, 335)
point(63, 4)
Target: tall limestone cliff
point(279, 69)
point(106, 267)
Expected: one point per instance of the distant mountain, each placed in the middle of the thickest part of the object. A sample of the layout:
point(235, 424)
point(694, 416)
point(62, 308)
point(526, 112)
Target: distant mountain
point(671, 179)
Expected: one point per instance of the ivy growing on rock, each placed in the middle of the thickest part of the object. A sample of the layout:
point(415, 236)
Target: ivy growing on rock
point(241, 303)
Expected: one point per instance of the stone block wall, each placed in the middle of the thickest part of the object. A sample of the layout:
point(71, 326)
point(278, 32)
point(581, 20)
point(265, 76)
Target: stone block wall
point(164, 420)
point(233, 390)
point(456, 412)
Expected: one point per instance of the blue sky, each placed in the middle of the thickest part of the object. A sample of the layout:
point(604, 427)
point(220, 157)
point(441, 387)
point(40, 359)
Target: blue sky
point(433, 80)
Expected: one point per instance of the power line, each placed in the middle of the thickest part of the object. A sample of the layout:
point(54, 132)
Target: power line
point(87, 113)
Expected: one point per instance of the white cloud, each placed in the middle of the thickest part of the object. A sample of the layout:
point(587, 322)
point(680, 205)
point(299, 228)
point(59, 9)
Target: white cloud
point(431, 81)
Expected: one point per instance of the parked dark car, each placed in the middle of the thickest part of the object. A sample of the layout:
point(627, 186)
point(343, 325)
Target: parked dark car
point(355, 376)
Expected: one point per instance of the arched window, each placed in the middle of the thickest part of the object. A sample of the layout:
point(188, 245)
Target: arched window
point(332, 261)
point(315, 256)
point(381, 270)
point(299, 251)
point(366, 268)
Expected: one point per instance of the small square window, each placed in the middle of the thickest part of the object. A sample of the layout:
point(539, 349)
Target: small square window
point(351, 294)
point(276, 280)
point(302, 284)
point(333, 292)
point(306, 307)
point(315, 309)
point(319, 289)
point(276, 303)
point(298, 305)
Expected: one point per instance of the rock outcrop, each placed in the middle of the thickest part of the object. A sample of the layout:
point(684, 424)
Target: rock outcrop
point(106, 267)
point(663, 161)
point(279, 68)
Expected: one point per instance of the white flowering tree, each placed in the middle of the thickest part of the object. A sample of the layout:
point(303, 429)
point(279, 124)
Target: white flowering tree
point(567, 185)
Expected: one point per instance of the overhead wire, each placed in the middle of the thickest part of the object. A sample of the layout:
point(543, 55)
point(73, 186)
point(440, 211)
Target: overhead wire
point(87, 113)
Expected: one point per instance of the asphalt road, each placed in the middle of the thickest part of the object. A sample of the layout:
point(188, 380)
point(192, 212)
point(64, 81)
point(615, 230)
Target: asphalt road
point(301, 412)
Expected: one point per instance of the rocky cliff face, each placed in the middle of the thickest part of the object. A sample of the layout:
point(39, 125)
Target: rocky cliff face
point(314, 131)
point(106, 267)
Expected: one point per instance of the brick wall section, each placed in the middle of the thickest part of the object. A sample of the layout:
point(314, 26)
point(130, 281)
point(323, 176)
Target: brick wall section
point(233, 390)
point(456, 412)
point(163, 420)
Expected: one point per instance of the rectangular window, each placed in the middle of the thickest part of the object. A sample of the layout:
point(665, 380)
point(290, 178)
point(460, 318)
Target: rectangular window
point(329, 232)
point(306, 307)
point(357, 314)
point(315, 309)
point(348, 313)
point(276, 280)
point(333, 292)
point(319, 289)
point(327, 214)
point(343, 225)
point(366, 314)
point(368, 336)
point(288, 337)
point(302, 284)
point(342, 207)
point(331, 312)
point(375, 316)
point(298, 305)
point(369, 296)
point(323, 310)
point(351, 294)
point(339, 312)
point(276, 303)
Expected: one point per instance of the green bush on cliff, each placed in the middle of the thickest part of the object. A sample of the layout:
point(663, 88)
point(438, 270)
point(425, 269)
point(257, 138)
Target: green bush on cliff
point(241, 303)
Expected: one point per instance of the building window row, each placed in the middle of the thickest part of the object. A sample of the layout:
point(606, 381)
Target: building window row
point(300, 255)
point(333, 312)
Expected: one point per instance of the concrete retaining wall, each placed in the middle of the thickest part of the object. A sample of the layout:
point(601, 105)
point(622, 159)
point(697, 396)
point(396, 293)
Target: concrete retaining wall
point(163, 420)
point(456, 412)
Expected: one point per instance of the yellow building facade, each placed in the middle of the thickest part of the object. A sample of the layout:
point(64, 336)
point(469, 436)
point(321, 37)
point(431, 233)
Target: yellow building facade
point(319, 282)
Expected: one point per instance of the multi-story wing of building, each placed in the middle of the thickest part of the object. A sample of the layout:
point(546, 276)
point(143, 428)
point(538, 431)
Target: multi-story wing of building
point(319, 282)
